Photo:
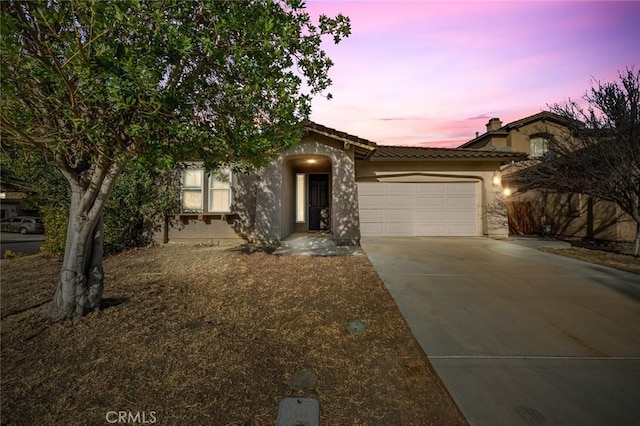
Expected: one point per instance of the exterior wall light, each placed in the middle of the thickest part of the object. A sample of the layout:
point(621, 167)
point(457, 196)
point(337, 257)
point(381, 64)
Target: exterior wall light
point(507, 192)
point(496, 180)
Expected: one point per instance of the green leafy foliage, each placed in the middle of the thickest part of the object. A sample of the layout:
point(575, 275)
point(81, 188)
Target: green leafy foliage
point(162, 78)
point(138, 205)
point(97, 88)
point(10, 254)
point(55, 218)
point(45, 188)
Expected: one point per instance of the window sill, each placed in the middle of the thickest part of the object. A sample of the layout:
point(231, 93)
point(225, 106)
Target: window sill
point(206, 217)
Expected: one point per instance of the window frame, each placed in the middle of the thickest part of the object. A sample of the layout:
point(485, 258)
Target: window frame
point(301, 198)
point(192, 189)
point(544, 142)
point(208, 184)
point(227, 185)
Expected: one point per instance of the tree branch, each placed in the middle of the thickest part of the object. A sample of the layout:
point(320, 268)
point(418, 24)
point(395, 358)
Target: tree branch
point(81, 47)
point(105, 190)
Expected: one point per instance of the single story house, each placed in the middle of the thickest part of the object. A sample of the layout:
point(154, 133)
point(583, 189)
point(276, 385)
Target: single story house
point(350, 187)
point(546, 212)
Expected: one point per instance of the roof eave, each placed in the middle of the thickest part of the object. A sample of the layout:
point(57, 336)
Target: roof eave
point(465, 159)
point(362, 147)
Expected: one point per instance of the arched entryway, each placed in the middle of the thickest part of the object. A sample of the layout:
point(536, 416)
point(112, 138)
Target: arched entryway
point(307, 193)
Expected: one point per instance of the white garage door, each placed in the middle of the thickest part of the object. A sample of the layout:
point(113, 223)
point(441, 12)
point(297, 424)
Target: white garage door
point(418, 209)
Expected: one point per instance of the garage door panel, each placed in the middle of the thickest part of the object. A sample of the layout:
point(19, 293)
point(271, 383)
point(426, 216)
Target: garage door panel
point(400, 202)
point(372, 229)
point(431, 216)
point(432, 189)
point(432, 202)
point(403, 188)
point(371, 201)
point(466, 188)
point(372, 215)
point(461, 202)
point(400, 229)
point(459, 217)
point(405, 216)
point(418, 209)
point(461, 230)
point(368, 189)
point(431, 229)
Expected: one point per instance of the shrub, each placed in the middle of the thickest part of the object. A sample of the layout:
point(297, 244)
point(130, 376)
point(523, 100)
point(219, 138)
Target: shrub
point(10, 254)
point(55, 218)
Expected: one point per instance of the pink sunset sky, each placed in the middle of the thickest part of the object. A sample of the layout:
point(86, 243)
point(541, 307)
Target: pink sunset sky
point(433, 73)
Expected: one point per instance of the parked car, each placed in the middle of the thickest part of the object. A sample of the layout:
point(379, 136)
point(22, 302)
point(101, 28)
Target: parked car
point(22, 224)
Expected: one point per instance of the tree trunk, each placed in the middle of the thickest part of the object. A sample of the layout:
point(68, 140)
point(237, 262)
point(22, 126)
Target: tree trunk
point(81, 280)
point(80, 286)
point(165, 229)
point(636, 245)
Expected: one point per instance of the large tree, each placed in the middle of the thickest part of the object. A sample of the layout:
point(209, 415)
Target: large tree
point(600, 154)
point(92, 86)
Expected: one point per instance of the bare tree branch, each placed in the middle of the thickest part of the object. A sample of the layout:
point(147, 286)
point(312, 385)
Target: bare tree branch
point(601, 154)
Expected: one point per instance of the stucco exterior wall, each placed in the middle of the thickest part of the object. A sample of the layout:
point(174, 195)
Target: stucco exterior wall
point(578, 216)
point(492, 220)
point(208, 231)
point(266, 227)
point(244, 204)
point(263, 205)
point(518, 139)
point(215, 228)
point(345, 225)
point(596, 219)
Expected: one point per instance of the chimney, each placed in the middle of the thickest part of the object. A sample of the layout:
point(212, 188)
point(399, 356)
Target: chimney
point(477, 134)
point(494, 124)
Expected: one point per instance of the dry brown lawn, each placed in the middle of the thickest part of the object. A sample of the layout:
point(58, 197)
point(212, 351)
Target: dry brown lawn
point(212, 336)
point(621, 261)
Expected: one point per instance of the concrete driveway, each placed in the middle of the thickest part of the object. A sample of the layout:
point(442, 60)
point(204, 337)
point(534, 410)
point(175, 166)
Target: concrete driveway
point(518, 336)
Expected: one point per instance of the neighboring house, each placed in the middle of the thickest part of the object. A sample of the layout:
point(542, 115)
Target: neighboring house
point(9, 203)
point(540, 212)
point(11, 200)
point(351, 187)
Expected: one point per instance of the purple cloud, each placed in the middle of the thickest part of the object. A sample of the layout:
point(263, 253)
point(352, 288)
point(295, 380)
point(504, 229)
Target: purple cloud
point(428, 73)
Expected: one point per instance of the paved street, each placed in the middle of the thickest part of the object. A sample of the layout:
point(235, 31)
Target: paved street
point(27, 244)
point(518, 336)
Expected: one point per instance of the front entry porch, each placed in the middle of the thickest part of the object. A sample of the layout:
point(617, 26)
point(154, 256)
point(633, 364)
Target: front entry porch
point(319, 243)
point(307, 193)
point(309, 188)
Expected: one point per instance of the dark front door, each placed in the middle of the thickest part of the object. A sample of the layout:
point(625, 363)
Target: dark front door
point(318, 202)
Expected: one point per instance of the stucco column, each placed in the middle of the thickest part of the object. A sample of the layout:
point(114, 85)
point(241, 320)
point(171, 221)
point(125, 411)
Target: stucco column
point(345, 217)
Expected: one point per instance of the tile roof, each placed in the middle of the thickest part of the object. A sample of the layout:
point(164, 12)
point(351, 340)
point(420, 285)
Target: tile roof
point(368, 150)
point(342, 135)
point(362, 147)
point(387, 152)
point(544, 115)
